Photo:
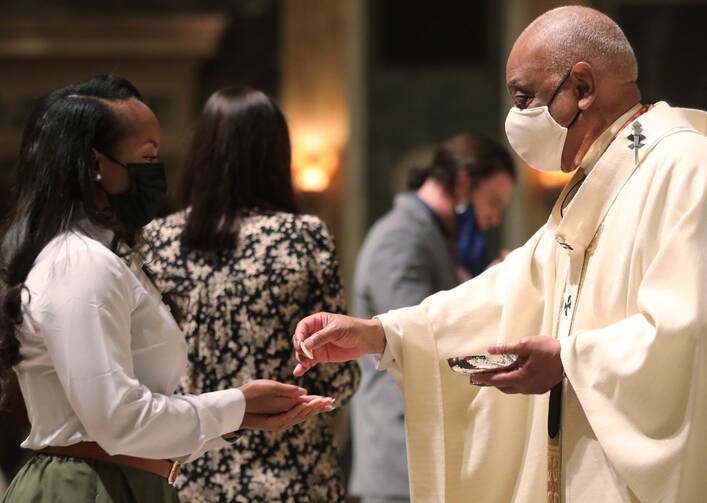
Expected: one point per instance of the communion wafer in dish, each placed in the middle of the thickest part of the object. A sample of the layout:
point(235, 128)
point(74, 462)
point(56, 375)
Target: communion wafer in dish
point(475, 364)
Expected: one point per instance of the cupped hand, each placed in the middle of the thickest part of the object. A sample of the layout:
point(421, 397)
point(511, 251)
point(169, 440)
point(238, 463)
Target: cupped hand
point(326, 337)
point(264, 396)
point(539, 367)
point(308, 408)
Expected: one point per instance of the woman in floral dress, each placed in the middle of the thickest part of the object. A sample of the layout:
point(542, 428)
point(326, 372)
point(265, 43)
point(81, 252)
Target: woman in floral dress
point(245, 267)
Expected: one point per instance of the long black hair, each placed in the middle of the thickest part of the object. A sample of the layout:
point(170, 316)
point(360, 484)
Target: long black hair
point(479, 156)
point(53, 192)
point(239, 160)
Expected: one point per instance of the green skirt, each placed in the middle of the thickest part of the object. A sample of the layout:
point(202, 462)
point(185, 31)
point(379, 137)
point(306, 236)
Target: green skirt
point(57, 479)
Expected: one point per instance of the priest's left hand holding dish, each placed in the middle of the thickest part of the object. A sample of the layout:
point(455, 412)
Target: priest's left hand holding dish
point(540, 367)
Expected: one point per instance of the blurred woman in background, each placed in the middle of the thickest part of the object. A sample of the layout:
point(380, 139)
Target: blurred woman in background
point(96, 353)
point(251, 267)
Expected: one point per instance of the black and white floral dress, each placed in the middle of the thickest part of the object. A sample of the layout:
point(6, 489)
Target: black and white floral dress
point(241, 308)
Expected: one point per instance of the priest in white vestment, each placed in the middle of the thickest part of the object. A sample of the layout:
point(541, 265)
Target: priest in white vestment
point(606, 304)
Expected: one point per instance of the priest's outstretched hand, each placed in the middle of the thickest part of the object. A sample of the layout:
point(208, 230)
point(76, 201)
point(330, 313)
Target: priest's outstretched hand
point(539, 368)
point(326, 337)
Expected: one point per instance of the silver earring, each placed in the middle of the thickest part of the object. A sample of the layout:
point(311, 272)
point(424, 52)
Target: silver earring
point(97, 177)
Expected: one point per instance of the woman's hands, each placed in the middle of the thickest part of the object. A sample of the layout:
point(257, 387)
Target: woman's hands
point(335, 338)
point(274, 406)
point(308, 408)
point(264, 396)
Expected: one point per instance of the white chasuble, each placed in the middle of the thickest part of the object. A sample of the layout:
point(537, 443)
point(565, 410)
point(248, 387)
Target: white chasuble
point(619, 276)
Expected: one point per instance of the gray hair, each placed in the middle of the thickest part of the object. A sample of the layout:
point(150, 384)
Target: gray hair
point(575, 33)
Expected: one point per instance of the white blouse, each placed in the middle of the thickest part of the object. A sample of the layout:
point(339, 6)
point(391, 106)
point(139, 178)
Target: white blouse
point(102, 355)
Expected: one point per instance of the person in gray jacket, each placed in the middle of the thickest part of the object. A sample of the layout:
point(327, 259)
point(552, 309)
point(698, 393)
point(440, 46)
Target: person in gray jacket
point(409, 254)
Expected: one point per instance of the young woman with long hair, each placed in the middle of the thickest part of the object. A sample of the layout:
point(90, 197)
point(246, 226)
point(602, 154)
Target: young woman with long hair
point(96, 352)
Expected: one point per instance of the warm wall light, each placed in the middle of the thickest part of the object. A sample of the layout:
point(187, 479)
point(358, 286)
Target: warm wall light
point(314, 161)
point(550, 180)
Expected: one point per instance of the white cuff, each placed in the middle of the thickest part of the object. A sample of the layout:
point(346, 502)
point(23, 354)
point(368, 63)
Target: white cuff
point(228, 406)
point(393, 341)
point(391, 359)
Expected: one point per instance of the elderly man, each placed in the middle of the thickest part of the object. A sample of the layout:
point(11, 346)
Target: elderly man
point(606, 305)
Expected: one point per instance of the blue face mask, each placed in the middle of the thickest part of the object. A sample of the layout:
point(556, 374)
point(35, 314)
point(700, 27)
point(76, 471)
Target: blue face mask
point(471, 243)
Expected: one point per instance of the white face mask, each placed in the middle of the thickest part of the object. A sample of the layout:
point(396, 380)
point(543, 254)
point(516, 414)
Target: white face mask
point(536, 137)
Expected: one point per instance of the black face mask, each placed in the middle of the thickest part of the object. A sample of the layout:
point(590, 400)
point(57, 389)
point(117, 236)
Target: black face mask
point(144, 199)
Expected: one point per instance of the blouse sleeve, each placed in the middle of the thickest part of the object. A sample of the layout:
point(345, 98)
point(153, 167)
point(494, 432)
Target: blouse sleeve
point(338, 380)
point(87, 329)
